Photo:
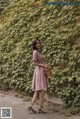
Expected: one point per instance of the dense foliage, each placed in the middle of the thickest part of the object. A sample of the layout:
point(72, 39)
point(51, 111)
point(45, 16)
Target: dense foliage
point(58, 27)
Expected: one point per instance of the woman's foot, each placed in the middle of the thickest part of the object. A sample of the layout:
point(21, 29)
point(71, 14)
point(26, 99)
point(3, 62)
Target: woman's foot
point(30, 108)
point(41, 110)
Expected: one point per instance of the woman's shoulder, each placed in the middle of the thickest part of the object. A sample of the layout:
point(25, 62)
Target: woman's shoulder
point(35, 51)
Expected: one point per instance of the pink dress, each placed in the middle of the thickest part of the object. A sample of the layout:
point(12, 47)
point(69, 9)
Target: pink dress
point(40, 80)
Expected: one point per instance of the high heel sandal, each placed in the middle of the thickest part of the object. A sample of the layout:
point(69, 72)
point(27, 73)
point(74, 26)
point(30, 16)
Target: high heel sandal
point(31, 109)
point(41, 110)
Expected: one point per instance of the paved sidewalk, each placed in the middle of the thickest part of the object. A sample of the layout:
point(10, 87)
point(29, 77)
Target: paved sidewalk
point(19, 109)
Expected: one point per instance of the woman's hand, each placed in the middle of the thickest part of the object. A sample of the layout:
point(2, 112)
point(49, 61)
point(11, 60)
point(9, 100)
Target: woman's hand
point(45, 65)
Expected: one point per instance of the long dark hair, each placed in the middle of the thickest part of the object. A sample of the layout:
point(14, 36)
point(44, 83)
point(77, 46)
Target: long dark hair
point(34, 44)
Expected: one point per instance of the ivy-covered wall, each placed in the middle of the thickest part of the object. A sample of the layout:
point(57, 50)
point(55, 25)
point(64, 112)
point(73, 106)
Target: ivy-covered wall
point(58, 27)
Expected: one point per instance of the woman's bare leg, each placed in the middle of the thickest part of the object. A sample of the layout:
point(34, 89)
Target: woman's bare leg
point(41, 97)
point(34, 98)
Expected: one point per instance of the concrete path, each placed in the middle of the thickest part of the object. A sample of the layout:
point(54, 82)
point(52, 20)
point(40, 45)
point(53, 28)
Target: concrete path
point(19, 109)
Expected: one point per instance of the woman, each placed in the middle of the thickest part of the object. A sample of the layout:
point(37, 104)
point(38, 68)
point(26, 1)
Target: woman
point(40, 81)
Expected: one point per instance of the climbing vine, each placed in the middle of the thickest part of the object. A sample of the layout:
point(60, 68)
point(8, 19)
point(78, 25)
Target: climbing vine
point(58, 28)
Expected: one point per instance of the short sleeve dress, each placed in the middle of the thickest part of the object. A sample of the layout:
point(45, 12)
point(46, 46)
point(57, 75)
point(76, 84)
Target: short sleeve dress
point(40, 80)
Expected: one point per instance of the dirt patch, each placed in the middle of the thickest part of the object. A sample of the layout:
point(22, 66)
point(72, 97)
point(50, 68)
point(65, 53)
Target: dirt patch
point(19, 108)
